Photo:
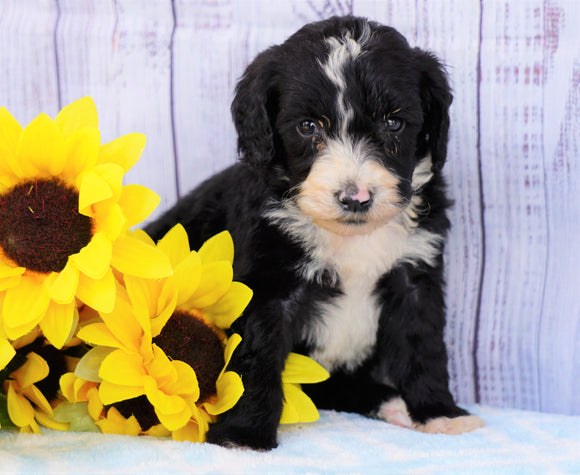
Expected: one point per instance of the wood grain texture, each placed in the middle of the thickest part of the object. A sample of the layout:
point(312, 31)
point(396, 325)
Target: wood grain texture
point(29, 79)
point(168, 68)
point(559, 347)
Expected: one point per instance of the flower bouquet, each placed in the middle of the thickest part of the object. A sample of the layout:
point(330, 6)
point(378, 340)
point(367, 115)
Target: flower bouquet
point(102, 329)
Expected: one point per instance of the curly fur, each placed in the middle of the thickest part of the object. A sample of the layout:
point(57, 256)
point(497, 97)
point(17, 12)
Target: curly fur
point(338, 213)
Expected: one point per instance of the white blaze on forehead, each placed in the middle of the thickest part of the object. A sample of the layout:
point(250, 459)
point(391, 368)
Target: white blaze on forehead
point(343, 51)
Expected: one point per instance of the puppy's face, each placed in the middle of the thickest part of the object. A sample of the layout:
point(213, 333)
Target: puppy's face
point(349, 111)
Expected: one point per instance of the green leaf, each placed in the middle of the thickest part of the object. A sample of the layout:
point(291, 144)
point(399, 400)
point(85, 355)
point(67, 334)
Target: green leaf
point(4, 419)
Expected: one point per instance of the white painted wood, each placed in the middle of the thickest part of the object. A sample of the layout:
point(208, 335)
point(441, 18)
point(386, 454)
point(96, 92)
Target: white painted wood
point(515, 214)
point(168, 69)
point(119, 52)
point(28, 78)
point(202, 90)
point(559, 344)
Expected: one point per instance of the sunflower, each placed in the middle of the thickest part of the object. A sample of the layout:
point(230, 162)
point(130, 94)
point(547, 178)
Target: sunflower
point(161, 354)
point(64, 214)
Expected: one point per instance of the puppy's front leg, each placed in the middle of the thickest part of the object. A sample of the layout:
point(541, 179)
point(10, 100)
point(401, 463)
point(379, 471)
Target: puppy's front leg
point(413, 354)
point(259, 360)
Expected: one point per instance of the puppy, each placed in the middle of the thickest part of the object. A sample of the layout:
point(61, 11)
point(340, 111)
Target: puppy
point(338, 213)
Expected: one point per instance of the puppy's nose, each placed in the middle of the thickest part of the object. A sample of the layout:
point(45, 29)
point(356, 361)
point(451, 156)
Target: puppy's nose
point(355, 199)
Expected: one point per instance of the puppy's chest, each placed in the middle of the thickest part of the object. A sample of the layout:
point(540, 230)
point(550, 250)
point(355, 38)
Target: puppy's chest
point(344, 332)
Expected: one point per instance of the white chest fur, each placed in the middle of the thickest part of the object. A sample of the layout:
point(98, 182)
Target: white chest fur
point(346, 332)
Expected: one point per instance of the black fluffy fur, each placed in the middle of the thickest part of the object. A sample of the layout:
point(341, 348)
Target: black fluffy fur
point(282, 86)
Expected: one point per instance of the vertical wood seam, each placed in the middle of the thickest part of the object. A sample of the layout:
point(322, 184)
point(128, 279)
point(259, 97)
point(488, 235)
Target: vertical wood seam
point(476, 326)
point(545, 65)
point(172, 100)
point(56, 56)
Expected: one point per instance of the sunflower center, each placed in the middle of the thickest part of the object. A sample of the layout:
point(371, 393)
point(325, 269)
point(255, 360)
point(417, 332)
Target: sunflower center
point(189, 339)
point(40, 226)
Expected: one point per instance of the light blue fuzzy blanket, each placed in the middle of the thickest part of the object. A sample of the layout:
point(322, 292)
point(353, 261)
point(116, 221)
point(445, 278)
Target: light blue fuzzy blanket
point(512, 442)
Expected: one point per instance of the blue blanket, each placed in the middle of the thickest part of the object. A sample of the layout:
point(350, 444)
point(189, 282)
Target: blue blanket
point(512, 442)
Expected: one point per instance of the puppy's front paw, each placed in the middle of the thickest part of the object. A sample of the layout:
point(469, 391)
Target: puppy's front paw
point(241, 438)
point(450, 425)
point(395, 411)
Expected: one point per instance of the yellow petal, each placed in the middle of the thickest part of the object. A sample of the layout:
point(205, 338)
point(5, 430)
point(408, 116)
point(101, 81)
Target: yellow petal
point(215, 282)
point(190, 432)
point(301, 369)
point(228, 308)
point(137, 203)
point(158, 431)
point(10, 131)
point(98, 334)
point(9, 282)
point(185, 383)
point(298, 407)
point(92, 189)
point(20, 410)
point(186, 278)
point(176, 420)
point(94, 259)
point(34, 395)
point(165, 314)
point(142, 236)
point(112, 174)
point(33, 370)
point(143, 294)
point(9, 276)
point(108, 218)
point(229, 390)
point(66, 384)
point(21, 312)
point(123, 324)
point(83, 152)
point(132, 256)
point(161, 368)
point(98, 293)
point(81, 113)
point(123, 368)
point(7, 352)
point(218, 248)
point(163, 403)
point(115, 423)
point(41, 149)
point(95, 407)
point(124, 151)
point(63, 287)
point(110, 393)
point(175, 244)
point(59, 323)
point(231, 345)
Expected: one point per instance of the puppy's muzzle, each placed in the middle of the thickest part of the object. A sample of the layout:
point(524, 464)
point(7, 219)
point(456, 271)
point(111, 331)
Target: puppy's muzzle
point(355, 199)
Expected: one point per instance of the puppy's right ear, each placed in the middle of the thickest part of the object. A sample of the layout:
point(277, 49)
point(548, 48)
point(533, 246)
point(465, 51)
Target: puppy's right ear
point(254, 109)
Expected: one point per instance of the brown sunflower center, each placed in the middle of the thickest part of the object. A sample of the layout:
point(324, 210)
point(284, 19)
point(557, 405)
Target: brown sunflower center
point(40, 226)
point(189, 339)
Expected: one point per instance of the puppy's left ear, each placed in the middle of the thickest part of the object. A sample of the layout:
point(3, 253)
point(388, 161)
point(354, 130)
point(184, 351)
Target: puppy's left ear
point(254, 110)
point(435, 99)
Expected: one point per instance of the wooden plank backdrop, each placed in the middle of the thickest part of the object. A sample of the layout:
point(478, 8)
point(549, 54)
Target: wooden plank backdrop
point(168, 68)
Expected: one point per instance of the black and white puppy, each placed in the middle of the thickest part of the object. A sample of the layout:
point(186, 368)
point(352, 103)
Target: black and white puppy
point(337, 210)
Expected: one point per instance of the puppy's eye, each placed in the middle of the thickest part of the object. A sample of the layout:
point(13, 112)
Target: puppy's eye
point(394, 124)
point(308, 128)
